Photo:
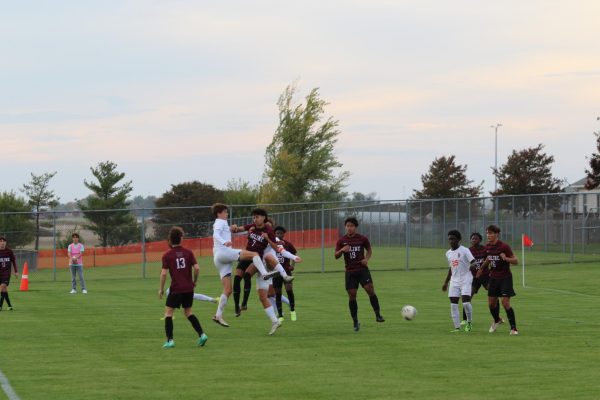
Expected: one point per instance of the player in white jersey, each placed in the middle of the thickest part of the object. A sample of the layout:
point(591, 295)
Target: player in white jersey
point(224, 256)
point(460, 262)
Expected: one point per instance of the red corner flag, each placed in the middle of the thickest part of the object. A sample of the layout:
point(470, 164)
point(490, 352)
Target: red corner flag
point(527, 242)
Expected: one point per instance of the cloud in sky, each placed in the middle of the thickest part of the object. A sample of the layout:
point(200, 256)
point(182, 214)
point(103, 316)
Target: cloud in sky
point(179, 90)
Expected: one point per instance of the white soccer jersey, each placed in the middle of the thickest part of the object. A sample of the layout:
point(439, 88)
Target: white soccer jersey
point(221, 234)
point(459, 261)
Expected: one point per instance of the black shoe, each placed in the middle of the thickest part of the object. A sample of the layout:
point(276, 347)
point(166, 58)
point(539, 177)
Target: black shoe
point(270, 275)
point(244, 307)
point(356, 326)
point(238, 312)
point(379, 318)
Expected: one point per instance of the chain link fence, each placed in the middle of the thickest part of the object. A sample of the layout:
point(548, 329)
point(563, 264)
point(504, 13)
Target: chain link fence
point(411, 234)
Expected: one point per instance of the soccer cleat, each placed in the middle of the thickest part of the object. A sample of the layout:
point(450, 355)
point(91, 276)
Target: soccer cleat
point(455, 330)
point(202, 340)
point(169, 344)
point(84, 291)
point(379, 318)
point(468, 327)
point(244, 307)
point(281, 319)
point(216, 300)
point(220, 321)
point(73, 291)
point(514, 332)
point(495, 325)
point(238, 312)
point(463, 322)
point(270, 275)
point(274, 327)
point(293, 316)
point(356, 326)
point(288, 279)
point(11, 309)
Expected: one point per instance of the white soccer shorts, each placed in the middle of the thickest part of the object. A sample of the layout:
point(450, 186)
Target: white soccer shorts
point(261, 283)
point(224, 258)
point(458, 289)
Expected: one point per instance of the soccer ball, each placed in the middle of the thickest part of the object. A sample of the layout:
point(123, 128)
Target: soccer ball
point(409, 312)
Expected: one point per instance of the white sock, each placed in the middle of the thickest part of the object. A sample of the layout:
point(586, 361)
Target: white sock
point(222, 305)
point(279, 268)
point(273, 302)
point(285, 300)
point(259, 265)
point(454, 314)
point(202, 297)
point(270, 311)
point(468, 310)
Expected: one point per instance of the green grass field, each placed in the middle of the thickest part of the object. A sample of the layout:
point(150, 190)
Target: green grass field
point(107, 345)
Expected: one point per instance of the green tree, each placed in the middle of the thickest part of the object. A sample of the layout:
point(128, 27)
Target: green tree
point(40, 196)
point(593, 174)
point(241, 193)
point(446, 179)
point(301, 160)
point(113, 228)
point(527, 171)
point(196, 221)
point(18, 228)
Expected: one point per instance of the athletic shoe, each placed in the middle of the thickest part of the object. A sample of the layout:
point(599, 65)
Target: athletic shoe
point(270, 275)
point(288, 279)
point(202, 340)
point(84, 291)
point(216, 300)
point(463, 322)
point(293, 316)
point(281, 319)
point(356, 326)
point(220, 321)
point(244, 307)
point(379, 318)
point(169, 344)
point(10, 309)
point(455, 330)
point(495, 325)
point(238, 312)
point(73, 291)
point(274, 327)
point(468, 327)
point(513, 332)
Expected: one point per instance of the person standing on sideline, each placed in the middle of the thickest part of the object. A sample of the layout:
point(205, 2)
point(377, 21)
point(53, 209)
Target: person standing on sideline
point(499, 257)
point(7, 259)
point(460, 262)
point(353, 247)
point(180, 262)
point(75, 251)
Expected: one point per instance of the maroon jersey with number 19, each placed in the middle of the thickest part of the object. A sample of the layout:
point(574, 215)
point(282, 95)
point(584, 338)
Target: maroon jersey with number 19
point(358, 245)
point(179, 261)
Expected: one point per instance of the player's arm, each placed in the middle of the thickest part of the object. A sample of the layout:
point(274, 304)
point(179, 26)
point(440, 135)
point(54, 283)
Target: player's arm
point(445, 285)
point(196, 273)
point(163, 279)
point(218, 238)
point(339, 250)
point(484, 267)
point(512, 260)
point(14, 263)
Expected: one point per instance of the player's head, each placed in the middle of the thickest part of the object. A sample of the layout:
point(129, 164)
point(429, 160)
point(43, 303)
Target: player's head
point(351, 223)
point(75, 237)
point(279, 232)
point(454, 238)
point(259, 216)
point(3, 242)
point(476, 238)
point(492, 232)
point(220, 211)
point(175, 236)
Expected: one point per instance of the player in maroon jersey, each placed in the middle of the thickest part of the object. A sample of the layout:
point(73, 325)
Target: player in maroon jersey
point(7, 259)
point(288, 265)
point(353, 247)
point(499, 257)
point(179, 262)
point(478, 252)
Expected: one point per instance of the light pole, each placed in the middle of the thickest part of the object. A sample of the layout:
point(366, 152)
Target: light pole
point(496, 155)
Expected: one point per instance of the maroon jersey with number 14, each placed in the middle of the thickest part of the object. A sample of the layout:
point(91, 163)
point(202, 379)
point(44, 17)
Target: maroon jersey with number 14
point(358, 245)
point(498, 267)
point(179, 261)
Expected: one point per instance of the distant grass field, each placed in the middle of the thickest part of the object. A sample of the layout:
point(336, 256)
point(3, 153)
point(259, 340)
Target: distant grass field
point(107, 345)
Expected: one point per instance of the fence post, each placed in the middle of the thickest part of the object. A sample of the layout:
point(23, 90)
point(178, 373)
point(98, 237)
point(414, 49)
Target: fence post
point(407, 234)
point(143, 229)
point(545, 222)
point(572, 228)
point(322, 237)
point(54, 245)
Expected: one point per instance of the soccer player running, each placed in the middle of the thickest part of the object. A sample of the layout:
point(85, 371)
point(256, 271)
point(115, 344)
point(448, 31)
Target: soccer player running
point(353, 246)
point(180, 262)
point(288, 265)
point(7, 259)
point(460, 262)
point(499, 257)
point(224, 256)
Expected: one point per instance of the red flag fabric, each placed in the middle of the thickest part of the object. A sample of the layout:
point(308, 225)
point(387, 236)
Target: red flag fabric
point(527, 242)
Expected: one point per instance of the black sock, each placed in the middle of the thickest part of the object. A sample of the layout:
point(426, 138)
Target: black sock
point(247, 288)
point(278, 304)
point(169, 327)
point(1, 299)
point(7, 300)
point(510, 313)
point(196, 324)
point(353, 309)
point(292, 300)
point(237, 288)
point(495, 311)
point(464, 314)
point(375, 304)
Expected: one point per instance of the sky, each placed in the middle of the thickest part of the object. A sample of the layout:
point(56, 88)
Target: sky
point(175, 91)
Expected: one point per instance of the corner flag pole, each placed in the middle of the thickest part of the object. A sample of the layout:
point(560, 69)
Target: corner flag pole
point(523, 252)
